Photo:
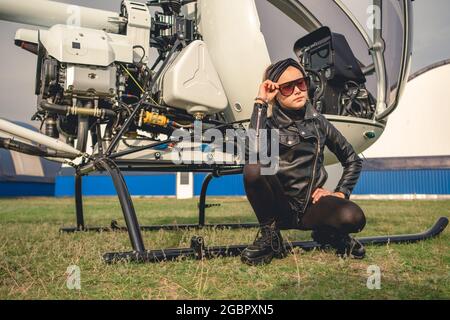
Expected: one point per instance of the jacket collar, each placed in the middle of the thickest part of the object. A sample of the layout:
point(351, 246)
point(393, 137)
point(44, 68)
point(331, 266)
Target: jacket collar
point(282, 120)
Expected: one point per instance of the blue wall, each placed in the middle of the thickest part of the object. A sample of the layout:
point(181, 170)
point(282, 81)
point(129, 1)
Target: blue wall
point(159, 184)
point(419, 181)
point(226, 185)
point(102, 185)
point(26, 189)
point(405, 181)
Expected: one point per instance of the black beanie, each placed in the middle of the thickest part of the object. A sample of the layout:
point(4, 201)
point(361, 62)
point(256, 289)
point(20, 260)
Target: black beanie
point(276, 70)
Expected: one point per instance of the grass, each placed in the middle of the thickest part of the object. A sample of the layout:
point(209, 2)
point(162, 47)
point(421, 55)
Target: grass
point(34, 256)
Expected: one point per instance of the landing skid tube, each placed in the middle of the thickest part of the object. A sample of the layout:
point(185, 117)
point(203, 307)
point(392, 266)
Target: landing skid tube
point(198, 250)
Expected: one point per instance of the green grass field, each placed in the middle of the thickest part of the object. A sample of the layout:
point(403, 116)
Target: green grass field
point(34, 256)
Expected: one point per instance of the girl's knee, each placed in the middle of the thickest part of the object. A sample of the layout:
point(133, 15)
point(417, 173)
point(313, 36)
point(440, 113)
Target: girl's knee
point(352, 218)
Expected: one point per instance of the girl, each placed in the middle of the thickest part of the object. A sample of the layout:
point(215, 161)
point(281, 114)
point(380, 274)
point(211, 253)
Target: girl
point(293, 197)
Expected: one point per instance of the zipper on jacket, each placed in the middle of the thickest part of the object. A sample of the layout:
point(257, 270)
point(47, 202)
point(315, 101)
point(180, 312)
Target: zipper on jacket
point(258, 119)
point(314, 169)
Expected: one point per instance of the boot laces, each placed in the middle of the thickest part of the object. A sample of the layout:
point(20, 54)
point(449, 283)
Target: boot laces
point(268, 235)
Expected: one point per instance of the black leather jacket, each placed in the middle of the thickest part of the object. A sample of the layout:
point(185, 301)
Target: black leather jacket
point(301, 155)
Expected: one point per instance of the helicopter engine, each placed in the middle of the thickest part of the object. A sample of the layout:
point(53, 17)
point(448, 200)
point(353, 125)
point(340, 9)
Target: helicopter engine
point(89, 76)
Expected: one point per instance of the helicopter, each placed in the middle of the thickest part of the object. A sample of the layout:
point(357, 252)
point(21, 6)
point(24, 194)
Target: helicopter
point(105, 104)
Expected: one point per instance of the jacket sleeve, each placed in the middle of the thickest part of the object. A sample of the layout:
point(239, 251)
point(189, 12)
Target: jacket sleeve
point(257, 122)
point(351, 162)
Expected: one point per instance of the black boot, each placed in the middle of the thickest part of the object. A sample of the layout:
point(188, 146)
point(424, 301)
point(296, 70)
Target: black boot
point(268, 244)
point(344, 244)
point(324, 238)
point(350, 247)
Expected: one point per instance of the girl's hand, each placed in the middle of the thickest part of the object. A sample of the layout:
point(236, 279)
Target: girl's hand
point(320, 192)
point(268, 90)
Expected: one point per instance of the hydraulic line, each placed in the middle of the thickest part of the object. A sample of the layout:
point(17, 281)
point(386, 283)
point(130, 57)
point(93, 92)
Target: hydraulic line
point(73, 110)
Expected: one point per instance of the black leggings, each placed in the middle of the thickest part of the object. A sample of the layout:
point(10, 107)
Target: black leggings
point(270, 203)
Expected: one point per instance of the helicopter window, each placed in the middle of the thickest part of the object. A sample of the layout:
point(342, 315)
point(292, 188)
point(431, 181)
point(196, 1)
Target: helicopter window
point(332, 16)
point(392, 34)
point(281, 35)
point(329, 14)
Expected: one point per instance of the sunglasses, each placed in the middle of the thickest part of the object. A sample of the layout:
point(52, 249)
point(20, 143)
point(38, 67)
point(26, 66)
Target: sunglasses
point(287, 89)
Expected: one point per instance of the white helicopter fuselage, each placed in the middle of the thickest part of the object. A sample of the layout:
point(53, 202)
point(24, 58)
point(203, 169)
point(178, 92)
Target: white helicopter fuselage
point(220, 73)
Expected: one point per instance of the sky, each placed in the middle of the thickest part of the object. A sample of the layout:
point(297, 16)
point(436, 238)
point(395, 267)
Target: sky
point(18, 67)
